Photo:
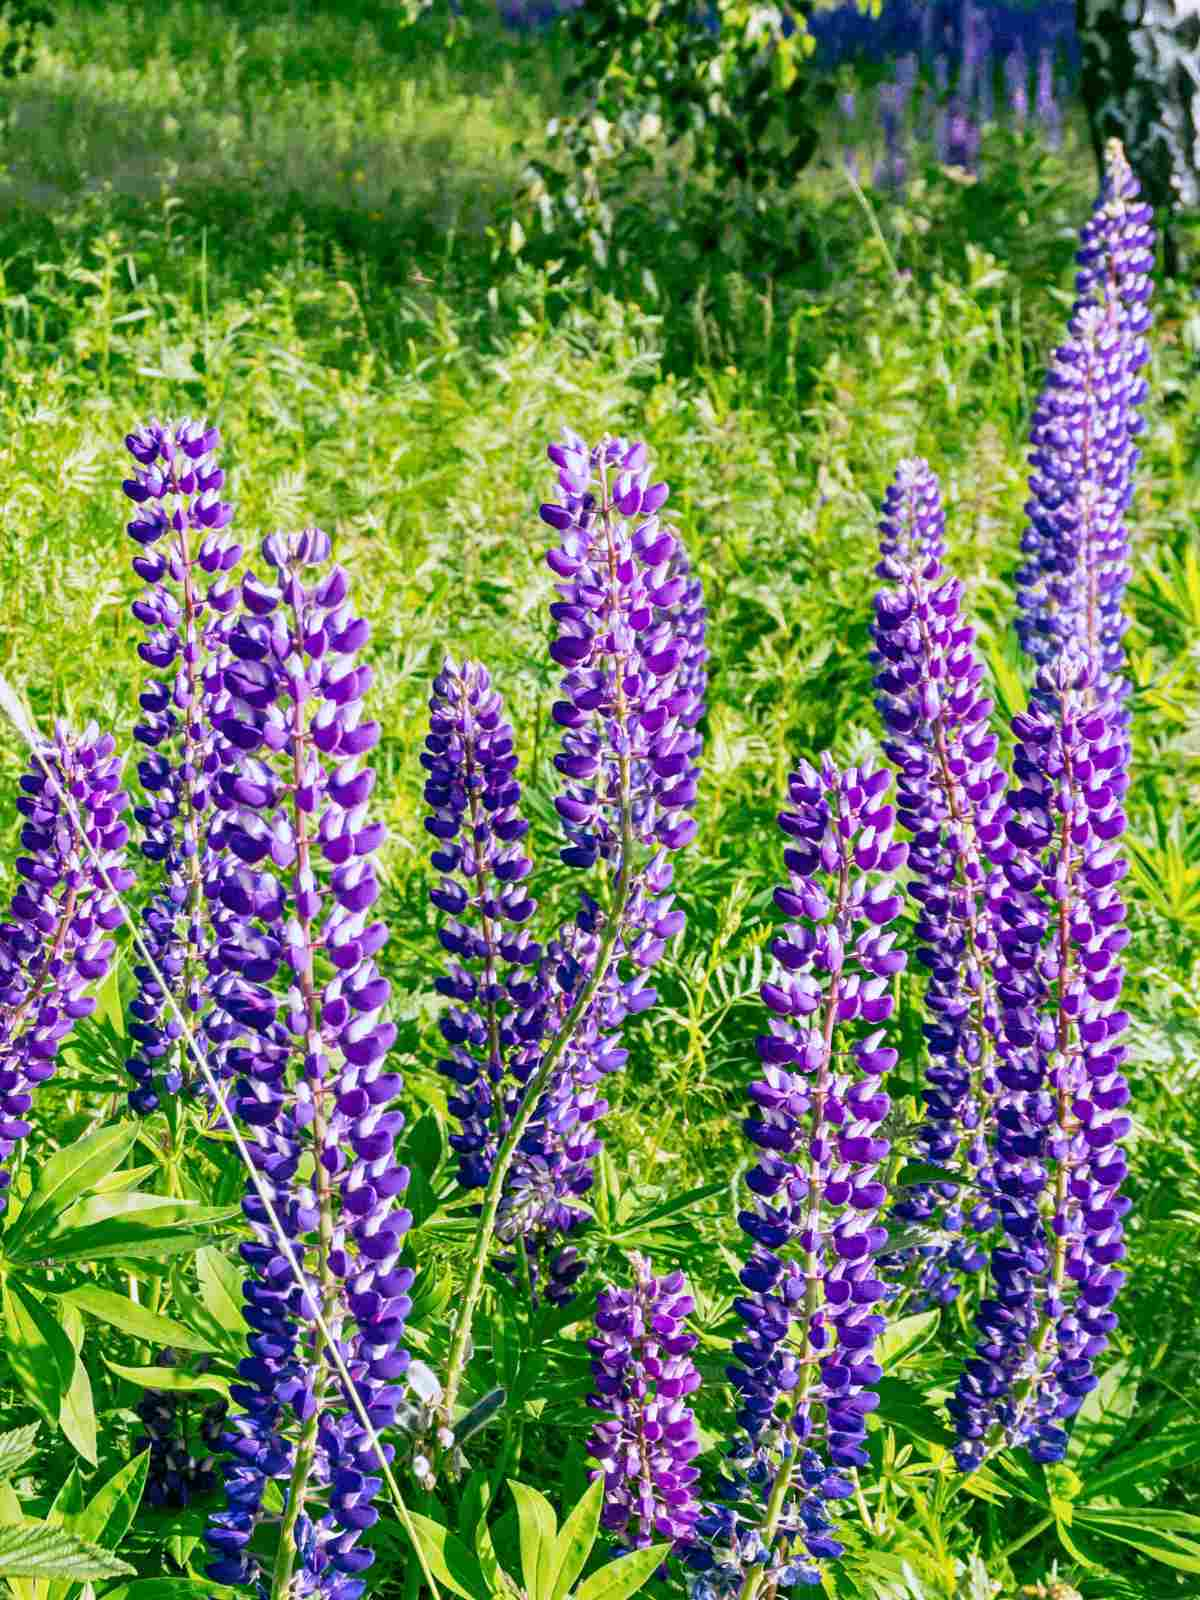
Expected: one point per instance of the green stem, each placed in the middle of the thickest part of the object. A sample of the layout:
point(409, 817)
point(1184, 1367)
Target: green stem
point(1032, 1533)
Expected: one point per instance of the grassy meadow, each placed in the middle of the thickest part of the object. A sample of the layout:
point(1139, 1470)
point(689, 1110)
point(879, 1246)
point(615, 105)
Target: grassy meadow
point(285, 218)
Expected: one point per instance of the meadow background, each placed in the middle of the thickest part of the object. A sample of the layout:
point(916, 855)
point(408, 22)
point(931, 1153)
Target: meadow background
point(292, 220)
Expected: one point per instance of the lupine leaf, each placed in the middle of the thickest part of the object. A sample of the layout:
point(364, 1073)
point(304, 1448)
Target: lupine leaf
point(574, 1543)
point(38, 1550)
point(451, 1563)
point(121, 1312)
point(624, 1576)
point(127, 1225)
point(170, 1378)
point(109, 1514)
point(68, 1174)
point(39, 1352)
point(539, 1527)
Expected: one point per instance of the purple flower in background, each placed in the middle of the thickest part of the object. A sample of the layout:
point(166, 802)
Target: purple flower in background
point(54, 944)
point(1016, 82)
point(176, 1475)
point(1072, 583)
point(805, 1368)
point(184, 550)
point(950, 797)
point(1045, 105)
point(1059, 1121)
point(498, 1004)
point(295, 973)
point(643, 1374)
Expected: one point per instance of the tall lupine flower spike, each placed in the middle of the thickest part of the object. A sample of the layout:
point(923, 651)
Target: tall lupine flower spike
point(631, 642)
point(1083, 454)
point(54, 945)
point(643, 1373)
point(950, 796)
point(804, 1369)
point(181, 528)
point(298, 980)
point(473, 795)
point(1059, 1121)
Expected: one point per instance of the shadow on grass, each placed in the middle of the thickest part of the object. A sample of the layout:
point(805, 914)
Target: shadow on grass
point(256, 119)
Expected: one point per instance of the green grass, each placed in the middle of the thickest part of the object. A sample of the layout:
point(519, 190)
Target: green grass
point(281, 218)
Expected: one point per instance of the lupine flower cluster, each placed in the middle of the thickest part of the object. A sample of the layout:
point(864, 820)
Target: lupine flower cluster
point(1059, 1122)
point(631, 640)
point(1058, 1162)
point(804, 1368)
point(1084, 426)
point(957, 67)
point(951, 797)
point(55, 944)
point(181, 528)
point(299, 982)
point(176, 1474)
point(643, 1373)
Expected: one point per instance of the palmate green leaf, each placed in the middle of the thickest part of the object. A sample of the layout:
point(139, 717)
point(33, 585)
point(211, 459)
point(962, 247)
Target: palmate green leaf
point(109, 1514)
point(451, 1563)
point(1145, 1463)
point(904, 1338)
point(574, 1543)
point(67, 1175)
point(40, 1355)
point(221, 1284)
point(170, 1378)
point(1142, 1531)
point(624, 1576)
point(915, 1172)
point(16, 1448)
point(142, 1323)
point(1103, 1415)
point(124, 1225)
point(39, 1550)
point(167, 1589)
point(539, 1529)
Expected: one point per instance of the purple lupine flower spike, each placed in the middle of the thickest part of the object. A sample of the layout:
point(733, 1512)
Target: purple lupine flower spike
point(1083, 453)
point(297, 978)
point(951, 799)
point(473, 794)
point(631, 640)
point(643, 1373)
point(805, 1369)
point(1059, 1121)
point(55, 945)
point(181, 528)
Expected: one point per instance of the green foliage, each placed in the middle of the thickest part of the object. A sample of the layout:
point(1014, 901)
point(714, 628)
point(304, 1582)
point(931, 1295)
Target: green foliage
point(552, 1559)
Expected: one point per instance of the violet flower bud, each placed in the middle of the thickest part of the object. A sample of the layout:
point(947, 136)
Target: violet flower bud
point(1083, 455)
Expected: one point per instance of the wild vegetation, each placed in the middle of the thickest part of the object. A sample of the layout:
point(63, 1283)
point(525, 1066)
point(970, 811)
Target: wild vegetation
point(306, 227)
